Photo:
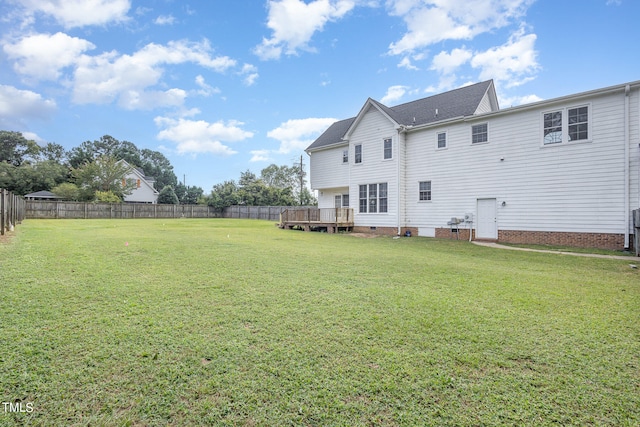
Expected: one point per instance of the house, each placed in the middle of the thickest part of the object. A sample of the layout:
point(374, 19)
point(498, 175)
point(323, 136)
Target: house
point(144, 191)
point(42, 195)
point(560, 171)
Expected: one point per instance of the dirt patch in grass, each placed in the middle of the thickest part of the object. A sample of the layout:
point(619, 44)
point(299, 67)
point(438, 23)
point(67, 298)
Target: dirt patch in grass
point(6, 238)
point(364, 235)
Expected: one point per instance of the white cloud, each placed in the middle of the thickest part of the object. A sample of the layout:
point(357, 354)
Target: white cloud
point(199, 136)
point(17, 106)
point(205, 89)
point(517, 100)
point(165, 20)
point(433, 21)
point(111, 76)
point(394, 93)
point(294, 22)
point(44, 56)
point(446, 63)
point(445, 83)
point(250, 73)
point(298, 134)
point(80, 13)
point(260, 156)
point(34, 137)
point(148, 100)
point(514, 63)
point(406, 63)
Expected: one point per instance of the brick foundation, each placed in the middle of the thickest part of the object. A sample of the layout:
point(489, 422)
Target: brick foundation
point(446, 233)
point(581, 240)
point(554, 238)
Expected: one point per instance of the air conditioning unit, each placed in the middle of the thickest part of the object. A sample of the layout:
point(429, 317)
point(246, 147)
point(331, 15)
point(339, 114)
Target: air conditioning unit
point(468, 217)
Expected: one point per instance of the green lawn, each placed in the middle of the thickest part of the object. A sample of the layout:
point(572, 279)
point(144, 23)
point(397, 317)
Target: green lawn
point(235, 322)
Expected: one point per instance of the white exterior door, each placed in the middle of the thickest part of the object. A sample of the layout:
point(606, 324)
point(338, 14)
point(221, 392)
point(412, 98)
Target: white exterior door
point(486, 227)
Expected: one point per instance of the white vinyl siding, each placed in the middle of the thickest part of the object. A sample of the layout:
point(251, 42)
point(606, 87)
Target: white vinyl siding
point(572, 188)
point(370, 132)
point(326, 169)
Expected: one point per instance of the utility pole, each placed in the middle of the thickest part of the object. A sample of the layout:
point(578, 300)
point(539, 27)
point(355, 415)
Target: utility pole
point(301, 179)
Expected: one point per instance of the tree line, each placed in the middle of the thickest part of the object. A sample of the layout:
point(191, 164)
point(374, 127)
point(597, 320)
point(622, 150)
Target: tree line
point(92, 171)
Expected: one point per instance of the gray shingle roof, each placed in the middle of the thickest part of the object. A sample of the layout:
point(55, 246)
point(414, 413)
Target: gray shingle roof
point(454, 103)
point(333, 134)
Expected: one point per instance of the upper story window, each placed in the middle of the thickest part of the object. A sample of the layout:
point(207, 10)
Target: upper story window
point(358, 150)
point(479, 133)
point(552, 127)
point(566, 125)
point(345, 156)
point(388, 148)
point(578, 123)
point(441, 138)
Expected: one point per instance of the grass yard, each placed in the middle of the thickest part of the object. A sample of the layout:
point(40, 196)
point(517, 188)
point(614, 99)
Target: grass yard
point(235, 322)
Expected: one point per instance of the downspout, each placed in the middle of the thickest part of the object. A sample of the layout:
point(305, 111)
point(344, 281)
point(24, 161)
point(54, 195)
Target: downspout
point(401, 130)
point(627, 173)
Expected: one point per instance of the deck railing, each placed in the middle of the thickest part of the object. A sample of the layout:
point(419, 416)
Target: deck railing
point(318, 215)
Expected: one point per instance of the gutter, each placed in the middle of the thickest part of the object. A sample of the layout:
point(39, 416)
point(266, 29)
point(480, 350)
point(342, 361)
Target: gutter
point(401, 129)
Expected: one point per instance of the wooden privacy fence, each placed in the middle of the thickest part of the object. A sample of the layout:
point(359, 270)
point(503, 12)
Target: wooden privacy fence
point(37, 209)
point(12, 210)
point(40, 209)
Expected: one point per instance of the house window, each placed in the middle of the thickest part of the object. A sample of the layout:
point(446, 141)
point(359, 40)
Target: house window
point(565, 125)
point(388, 148)
point(345, 156)
point(425, 190)
point(552, 127)
point(373, 198)
point(138, 184)
point(479, 133)
point(442, 140)
point(578, 123)
point(358, 149)
point(341, 201)
point(363, 199)
point(382, 197)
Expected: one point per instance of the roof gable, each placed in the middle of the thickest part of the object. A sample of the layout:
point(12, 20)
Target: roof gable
point(139, 173)
point(461, 102)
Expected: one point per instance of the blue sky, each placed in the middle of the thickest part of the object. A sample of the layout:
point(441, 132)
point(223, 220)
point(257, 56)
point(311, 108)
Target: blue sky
point(220, 87)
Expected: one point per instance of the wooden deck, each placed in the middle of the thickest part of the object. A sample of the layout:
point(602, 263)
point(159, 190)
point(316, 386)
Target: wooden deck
point(329, 219)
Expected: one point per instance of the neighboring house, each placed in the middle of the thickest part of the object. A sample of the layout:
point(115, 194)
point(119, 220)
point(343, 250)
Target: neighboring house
point(42, 195)
point(144, 191)
point(560, 171)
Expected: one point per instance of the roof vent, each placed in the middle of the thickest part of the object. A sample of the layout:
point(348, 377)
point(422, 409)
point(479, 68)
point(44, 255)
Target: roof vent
point(436, 112)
